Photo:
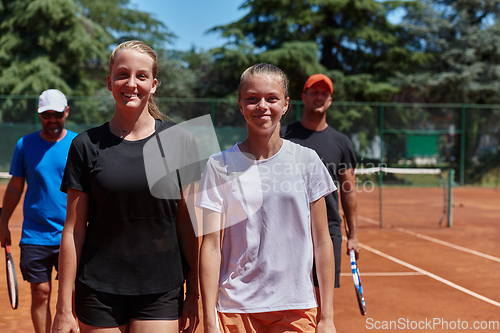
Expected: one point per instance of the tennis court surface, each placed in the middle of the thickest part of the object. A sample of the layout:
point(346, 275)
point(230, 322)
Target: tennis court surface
point(416, 276)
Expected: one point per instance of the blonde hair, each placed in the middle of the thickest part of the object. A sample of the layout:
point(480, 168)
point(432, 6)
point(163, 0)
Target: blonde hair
point(143, 48)
point(268, 69)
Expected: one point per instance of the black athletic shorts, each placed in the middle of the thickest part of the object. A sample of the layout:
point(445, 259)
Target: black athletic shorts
point(100, 309)
point(337, 253)
point(37, 261)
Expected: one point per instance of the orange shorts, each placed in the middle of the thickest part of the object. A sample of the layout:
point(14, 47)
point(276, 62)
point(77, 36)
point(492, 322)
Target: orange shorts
point(269, 322)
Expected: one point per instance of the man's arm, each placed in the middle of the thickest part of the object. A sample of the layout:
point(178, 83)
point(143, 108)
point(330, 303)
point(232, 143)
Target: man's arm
point(349, 201)
point(11, 198)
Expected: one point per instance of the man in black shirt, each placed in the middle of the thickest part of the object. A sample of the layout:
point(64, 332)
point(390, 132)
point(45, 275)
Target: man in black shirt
point(337, 153)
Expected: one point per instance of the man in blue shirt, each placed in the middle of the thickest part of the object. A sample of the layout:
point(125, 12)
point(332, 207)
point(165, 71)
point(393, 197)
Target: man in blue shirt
point(39, 160)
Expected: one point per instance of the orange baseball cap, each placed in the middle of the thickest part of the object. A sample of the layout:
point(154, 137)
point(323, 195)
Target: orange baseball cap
point(318, 78)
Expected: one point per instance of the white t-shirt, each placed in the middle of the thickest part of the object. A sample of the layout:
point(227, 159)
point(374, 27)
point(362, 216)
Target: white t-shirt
point(267, 249)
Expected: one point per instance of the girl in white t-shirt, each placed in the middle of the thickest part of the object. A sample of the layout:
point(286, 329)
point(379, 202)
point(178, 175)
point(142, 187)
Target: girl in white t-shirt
point(264, 221)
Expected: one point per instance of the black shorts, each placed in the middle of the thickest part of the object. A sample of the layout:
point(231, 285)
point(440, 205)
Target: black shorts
point(37, 261)
point(337, 253)
point(100, 309)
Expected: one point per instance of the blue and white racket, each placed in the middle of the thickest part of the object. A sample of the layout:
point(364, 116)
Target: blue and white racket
point(357, 283)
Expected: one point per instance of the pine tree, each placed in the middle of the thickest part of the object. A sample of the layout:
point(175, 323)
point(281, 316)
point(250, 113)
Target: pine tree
point(463, 39)
point(353, 36)
point(65, 44)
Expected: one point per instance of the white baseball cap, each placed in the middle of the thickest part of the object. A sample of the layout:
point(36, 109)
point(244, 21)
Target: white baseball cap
point(53, 100)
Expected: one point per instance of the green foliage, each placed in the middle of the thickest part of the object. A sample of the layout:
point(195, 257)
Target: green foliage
point(92, 111)
point(360, 87)
point(45, 44)
point(353, 36)
point(482, 144)
point(229, 62)
point(175, 78)
point(445, 51)
point(463, 39)
point(65, 44)
point(298, 60)
point(350, 40)
point(122, 23)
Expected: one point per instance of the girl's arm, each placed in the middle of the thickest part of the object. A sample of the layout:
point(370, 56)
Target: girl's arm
point(323, 254)
point(189, 246)
point(210, 260)
point(73, 238)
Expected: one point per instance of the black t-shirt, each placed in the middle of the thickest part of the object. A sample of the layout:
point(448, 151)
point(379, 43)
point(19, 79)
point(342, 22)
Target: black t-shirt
point(131, 245)
point(335, 150)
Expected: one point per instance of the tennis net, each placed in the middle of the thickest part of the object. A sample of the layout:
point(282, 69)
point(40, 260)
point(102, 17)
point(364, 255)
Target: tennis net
point(403, 196)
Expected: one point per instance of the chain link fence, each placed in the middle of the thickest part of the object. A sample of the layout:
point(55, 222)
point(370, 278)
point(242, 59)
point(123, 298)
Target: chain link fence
point(465, 138)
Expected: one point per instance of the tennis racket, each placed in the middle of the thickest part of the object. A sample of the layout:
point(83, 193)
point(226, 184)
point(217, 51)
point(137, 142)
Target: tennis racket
point(355, 276)
point(11, 278)
point(357, 283)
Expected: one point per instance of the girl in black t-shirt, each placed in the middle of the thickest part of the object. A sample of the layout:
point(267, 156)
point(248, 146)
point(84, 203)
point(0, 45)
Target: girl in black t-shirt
point(124, 250)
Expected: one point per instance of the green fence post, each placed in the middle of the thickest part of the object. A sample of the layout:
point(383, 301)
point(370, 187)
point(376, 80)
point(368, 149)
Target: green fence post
point(297, 114)
point(212, 110)
point(462, 146)
point(37, 120)
point(380, 176)
point(451, 183)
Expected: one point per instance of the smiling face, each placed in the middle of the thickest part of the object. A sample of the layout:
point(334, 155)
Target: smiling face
point(262, 102)
point(317, 98)
point(131, 79)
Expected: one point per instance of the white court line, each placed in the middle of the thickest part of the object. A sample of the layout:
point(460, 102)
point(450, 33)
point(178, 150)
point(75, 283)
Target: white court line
point(431, 275)
point(435, 240)
point(385, 274)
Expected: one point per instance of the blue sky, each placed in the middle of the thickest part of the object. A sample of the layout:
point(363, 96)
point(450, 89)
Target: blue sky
point(190, 19)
